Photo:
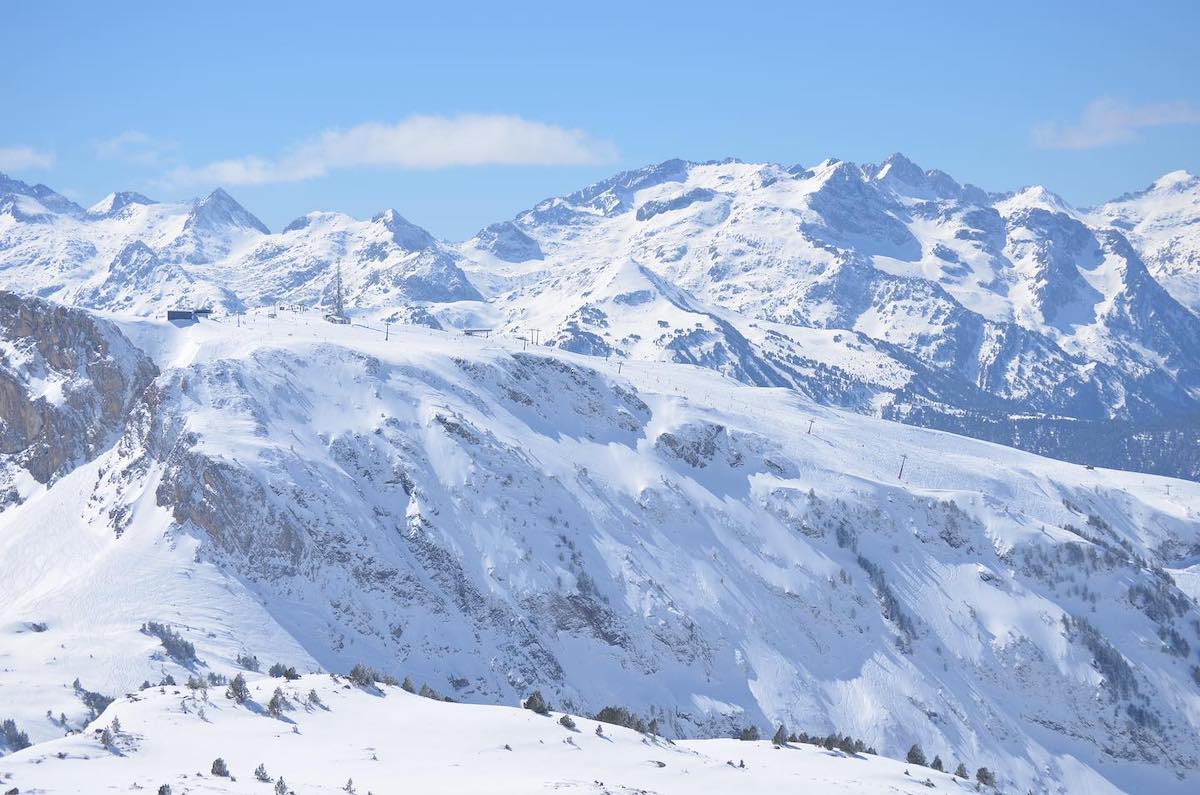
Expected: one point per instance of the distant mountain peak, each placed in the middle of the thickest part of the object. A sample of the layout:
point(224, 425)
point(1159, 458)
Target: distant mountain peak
point(1176, 181)
point(1033, 197)
point(115, 202)
point(405, 233)
point(900, 167)
point(219, 209)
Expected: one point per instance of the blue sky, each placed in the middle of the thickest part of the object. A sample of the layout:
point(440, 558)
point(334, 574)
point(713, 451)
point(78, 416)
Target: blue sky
point(462, 114)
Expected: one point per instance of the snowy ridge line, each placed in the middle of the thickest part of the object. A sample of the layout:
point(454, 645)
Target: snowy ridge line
point(202, 741)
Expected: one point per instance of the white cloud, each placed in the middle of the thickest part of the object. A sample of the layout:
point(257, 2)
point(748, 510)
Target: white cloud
point(24, 158)
point(418, 142)
point(1111, 121)
point(133, 146)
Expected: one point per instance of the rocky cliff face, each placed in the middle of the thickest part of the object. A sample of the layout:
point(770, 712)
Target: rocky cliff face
point(67, 382)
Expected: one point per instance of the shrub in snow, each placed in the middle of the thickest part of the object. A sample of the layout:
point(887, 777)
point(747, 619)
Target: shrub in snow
point(248, 661)
point(961, 771)
point(12, 737)
point(237, 690)
point(280, 787)
point(286, 671)
point(985, 777)
point(95, 702)
point(106, 737)
point(180, 650)
point(566, 721)
point(915, 756)
point(362, 676)
point(261, 774)
point(313, 698)
point(749, 734)
point(936, 764)
point(165, 789)
point(219, 768)
point(781, 735)
point(536, 703)
point(408, 685)
point(619, 716)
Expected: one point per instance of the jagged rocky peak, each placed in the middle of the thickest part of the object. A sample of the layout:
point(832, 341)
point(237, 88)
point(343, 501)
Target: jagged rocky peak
point(113, 203)
point(48, 198)
point(906, 177)
point(405, 233)
point(134, 258)
point(900, 167)
point(219, 210)
point(506, 241)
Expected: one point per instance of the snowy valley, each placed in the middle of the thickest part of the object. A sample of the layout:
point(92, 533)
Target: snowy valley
point(691, 498)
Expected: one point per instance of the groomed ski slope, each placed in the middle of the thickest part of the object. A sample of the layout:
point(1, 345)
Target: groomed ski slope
point(389, 741)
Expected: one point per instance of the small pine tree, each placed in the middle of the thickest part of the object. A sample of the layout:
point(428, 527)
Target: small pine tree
point(985, 777)
point(116, 725)
point(280, 787)
point(237, 690)
point(313, 698)
point(936, 764)
point(165, 789)
point(749, 734)
point(536, 703)
point(408, 685)
point(961, 771)
point(781, 735)
point(349, 785)
point(599, 730)
point(219, 768)
point(261, 773)
point(567, 722)
point(916, 756)
point(277, 704)
point(106, 737)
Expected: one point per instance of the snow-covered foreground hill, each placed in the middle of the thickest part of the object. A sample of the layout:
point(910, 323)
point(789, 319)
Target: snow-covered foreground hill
point(384, 740)
point(492, 520)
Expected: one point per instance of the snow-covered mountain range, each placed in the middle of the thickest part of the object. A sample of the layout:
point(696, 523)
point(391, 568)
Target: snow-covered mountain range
point(669, 479)
point(888, 289)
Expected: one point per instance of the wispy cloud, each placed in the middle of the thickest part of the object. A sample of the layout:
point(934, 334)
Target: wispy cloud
point(24, 158)
point(1111, 121)
point(418, 142)
point(133, 146)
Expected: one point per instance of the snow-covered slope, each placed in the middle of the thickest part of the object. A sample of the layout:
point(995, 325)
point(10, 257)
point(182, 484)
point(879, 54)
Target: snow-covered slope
point(334, 737)
point(1163, 223)
point(659, 536)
